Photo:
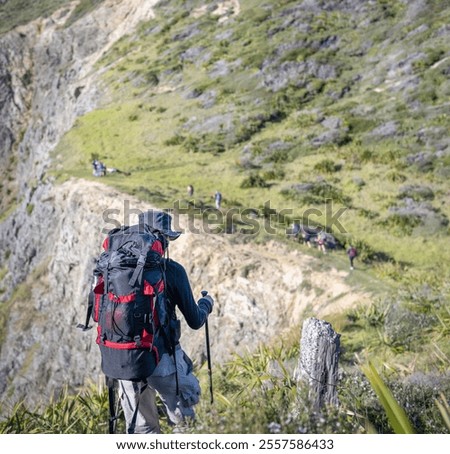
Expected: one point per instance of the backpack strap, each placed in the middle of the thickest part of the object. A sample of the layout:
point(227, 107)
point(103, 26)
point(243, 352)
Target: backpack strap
point(138, 271)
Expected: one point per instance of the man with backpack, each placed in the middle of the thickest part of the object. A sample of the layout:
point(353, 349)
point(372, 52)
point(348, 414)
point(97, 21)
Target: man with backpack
point(136, 294)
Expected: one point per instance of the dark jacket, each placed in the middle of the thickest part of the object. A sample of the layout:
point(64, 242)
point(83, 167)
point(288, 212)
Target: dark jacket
point(180, 295)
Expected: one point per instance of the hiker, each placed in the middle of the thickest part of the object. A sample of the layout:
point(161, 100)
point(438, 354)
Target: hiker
point(99, 169)
point(322, 242)
point(294, 231)
point(352, 254)
point(168, 374)
point(95, 164)
point(218, 199)
point(306, 237)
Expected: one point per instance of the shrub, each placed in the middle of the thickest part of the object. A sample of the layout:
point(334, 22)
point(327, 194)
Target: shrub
point(403, 222)
point(245, 128)
point(177, 139)
point(327, 166)
point(278, 156)
point(277, 173)
point(402, 327)
point(395, 176)
point(417, 394)
point(315, 193)
point(152, 78)
point(408, 214)
point(416, 192)
point(254, 180)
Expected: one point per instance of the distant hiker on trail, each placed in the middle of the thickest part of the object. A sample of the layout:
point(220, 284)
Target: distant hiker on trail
point(294, 231)
point(99, 169)
point(190, 190)
point(306, 237)
point(352, 254)
point(218, 199)
point(95, 164)
point(322, 242)
point(136, 293)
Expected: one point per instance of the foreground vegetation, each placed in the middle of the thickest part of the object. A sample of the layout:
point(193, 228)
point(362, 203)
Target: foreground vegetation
point(260, 383)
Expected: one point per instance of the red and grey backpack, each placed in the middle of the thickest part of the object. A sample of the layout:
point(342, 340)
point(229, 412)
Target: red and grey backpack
point(136, 322)
point(130, 306)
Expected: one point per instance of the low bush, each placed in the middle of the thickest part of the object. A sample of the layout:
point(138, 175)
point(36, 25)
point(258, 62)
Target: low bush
point(254, 180)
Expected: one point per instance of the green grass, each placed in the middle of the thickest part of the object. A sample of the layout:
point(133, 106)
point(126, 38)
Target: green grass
point(19, 12)
point(66, 413)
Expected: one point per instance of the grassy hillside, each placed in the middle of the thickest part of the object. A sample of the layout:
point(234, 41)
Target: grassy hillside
point(290, 104)
point(19, 12)
point(299, 105)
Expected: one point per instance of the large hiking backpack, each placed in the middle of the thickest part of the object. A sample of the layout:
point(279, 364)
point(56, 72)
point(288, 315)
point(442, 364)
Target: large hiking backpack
point(130, 304)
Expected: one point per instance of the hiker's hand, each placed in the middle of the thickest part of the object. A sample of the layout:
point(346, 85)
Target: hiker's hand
point(207, 303)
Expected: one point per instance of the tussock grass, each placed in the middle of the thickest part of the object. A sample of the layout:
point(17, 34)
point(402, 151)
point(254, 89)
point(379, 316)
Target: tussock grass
point(255, 393)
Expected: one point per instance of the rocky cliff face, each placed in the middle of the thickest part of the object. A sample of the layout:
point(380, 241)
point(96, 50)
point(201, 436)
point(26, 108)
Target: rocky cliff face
point(49, 240)
point(47, 79)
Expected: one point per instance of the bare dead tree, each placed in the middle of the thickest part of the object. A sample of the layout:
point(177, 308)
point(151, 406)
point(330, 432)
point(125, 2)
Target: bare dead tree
point(318, 361)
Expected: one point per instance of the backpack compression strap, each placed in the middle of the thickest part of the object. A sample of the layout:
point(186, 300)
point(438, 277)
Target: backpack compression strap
point(138, 271)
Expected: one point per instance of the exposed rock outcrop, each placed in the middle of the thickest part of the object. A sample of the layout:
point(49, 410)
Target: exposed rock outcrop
point(48, 78)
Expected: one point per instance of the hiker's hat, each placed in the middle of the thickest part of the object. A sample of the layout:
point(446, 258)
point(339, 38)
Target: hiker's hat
point(159, 221)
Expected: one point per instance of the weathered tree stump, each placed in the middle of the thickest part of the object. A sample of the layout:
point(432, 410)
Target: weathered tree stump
point(318, 361)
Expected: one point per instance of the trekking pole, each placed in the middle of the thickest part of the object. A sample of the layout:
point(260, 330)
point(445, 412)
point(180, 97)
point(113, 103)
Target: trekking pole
point(112, 422)
point(208, 353)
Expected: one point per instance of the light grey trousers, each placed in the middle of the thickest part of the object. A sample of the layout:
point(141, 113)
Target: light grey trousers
point(138, 399)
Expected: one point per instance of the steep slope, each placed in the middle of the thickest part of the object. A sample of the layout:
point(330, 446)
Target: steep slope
point(260, 292)
point(291, 103)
